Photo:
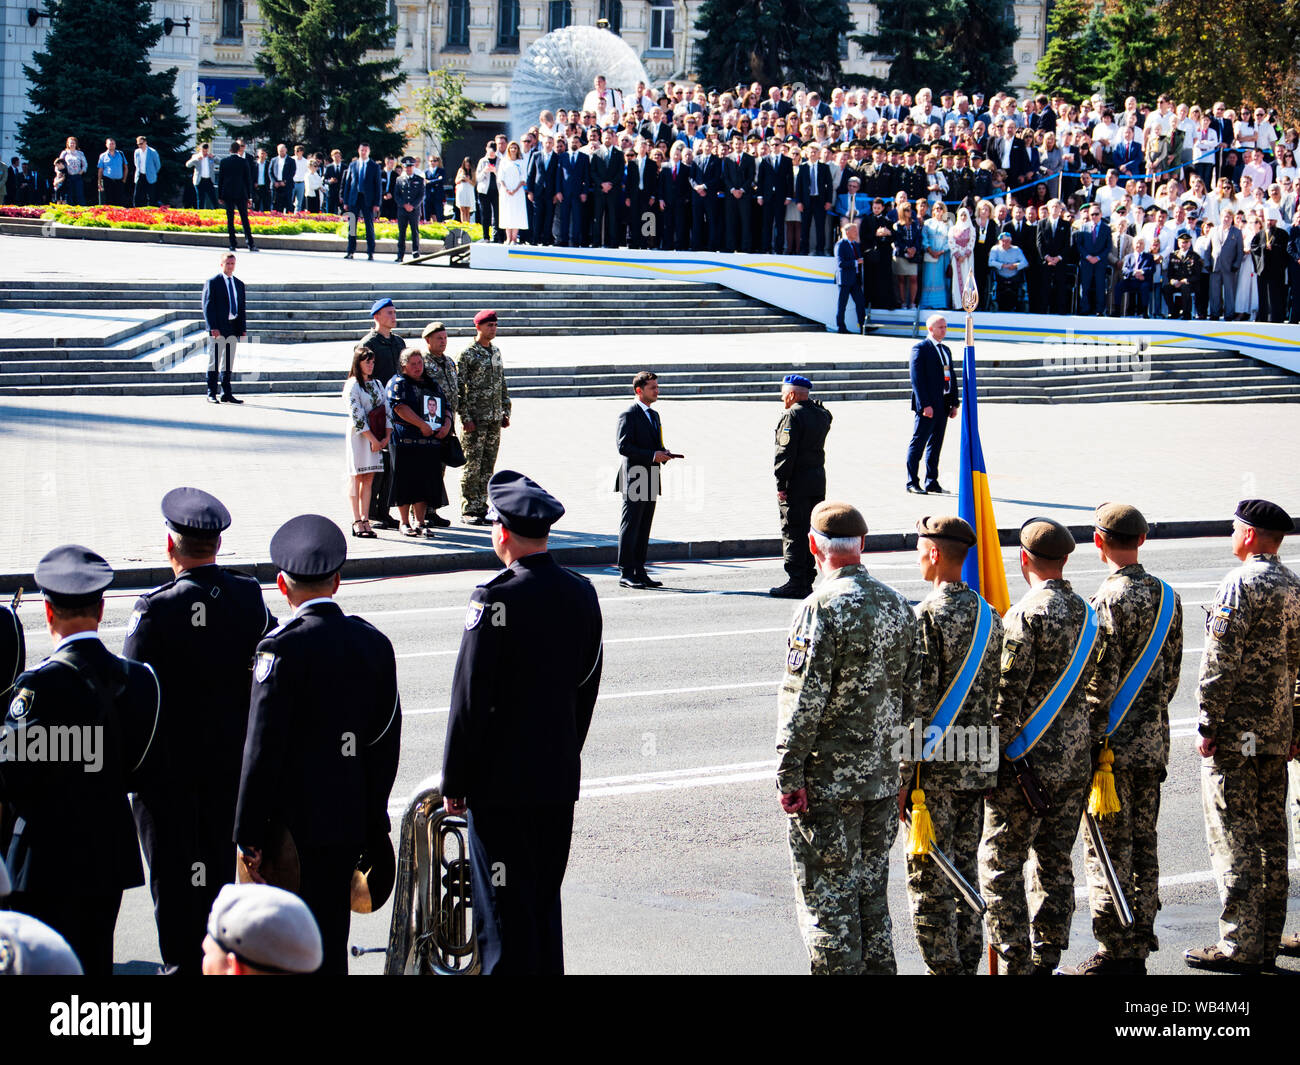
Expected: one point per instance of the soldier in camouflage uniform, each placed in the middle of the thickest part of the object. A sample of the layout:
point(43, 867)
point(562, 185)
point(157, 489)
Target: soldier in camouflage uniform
point(484, 411)
point(1247, 725)
point(439, 370)
point(1041, 632)
point(1127, 605)
point(1291, 942)
point(800, 480)
point(949, 935)
point(850, 679)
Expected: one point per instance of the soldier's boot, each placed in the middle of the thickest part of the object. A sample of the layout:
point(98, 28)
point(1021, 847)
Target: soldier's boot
point(1215, 960)
point(1290, 946)
point(1104, 965)
point(791, 590)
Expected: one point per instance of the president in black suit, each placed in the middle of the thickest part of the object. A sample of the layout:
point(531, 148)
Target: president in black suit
point(512, 756)
point(223, 311)
point(641, 445)
point(235, 191)
point(934, 400)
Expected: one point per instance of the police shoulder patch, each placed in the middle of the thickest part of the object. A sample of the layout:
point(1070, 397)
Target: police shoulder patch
point(473, 614)
point(134, 622)
point(265, 663)
point(22, 702)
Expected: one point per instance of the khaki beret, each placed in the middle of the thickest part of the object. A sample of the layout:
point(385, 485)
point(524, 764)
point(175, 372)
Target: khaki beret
point(433, 327)
point(1120, 519)
point(837, 520)
point(946, 527)
point(1046, 538)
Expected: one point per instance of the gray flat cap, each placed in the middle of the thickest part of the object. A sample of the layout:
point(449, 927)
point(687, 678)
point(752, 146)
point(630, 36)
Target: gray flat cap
point(267, 927)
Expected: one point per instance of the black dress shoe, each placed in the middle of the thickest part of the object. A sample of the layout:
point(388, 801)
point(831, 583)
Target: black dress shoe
point(842, 329)
point(915, 488)
point(630, 582)
point(371, 258)
point(383, 523)
point(791, 590)
point(213, 399)
point(228, 398)
point(648, 581)
point(437, 521)
point(252, 247)
point(477, 519)
point(935, 488)
point(348, 255)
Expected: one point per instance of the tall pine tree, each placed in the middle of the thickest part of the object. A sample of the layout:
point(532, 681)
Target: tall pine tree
point(979, 42)
point(1071, 65)
point(912, 34)
point(93, 81)
point(770, 41)
point(320, 90)
point(1134, 63)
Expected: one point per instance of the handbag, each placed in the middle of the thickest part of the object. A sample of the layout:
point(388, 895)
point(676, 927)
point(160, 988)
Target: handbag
point(453, 455)
point(377, 420)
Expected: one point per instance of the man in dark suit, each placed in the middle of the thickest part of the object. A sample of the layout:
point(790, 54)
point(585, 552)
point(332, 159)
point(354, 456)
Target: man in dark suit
point(540, 184)
point(815, 192)
point(848, 277)
point(198, 633)
point(641, 197)
point(324, 733)
point(675, 201)
point(641, 445)
point(1054, 259)
point(573, 184)
point(235, 193)
point(1126, 157)
point(261, 181)
point(332, 188)
point(223, 311)
point(738, 180)
point(362, 193)
point(657, 129)
point(1025, 237)
point(775, 185)
point(706, 207)
point(512, 757)
point(935, 399)
point(1139, 269)
point(1092, 248)
point(607, 173)
point(69, 875)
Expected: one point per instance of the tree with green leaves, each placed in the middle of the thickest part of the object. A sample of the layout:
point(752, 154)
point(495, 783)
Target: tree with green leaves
point(771, 41)
point(978, 40)
point(204, 128)
point(320, 89)
point(1071, 64)
point(1134, 65)
point(906, 33)
point(93, 81)
point(443, 108)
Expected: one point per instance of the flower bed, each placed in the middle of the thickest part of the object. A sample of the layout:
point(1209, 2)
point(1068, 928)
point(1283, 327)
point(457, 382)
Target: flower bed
point(21, 212)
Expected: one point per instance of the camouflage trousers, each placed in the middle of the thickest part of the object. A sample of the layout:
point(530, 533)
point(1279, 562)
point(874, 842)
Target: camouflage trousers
point(480, 460)
point(1244, 802)
point(1293, 770)
point(840, 853)
point(1130, 838)
point(1034, 931)
point(949, 935)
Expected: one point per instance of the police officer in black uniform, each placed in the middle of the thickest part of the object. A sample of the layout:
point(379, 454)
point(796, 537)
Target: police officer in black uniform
point(69, 840)
point(199, 633)
point(523, 692)
point(800, 480)
point(409, 194)
point(324, 732)
point(13, 648)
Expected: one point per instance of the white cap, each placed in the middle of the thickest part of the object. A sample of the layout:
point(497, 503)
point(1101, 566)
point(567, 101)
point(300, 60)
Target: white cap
point(29, 947)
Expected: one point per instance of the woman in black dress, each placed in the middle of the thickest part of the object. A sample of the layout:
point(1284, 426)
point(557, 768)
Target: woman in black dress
point(420, 423)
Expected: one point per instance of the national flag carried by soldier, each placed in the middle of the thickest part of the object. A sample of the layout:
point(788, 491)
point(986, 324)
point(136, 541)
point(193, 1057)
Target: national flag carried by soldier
point(983, 570)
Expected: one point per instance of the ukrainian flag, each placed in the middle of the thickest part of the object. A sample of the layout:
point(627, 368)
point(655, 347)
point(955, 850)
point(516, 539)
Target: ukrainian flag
point(983, 570)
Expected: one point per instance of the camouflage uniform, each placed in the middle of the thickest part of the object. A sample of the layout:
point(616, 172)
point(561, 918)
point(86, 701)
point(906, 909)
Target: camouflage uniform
point(1127, 604)
point(1246, 696)
point(1040, 634)
point(484, 401)
point(443, 370)
point(850, 680)
point(949, 935)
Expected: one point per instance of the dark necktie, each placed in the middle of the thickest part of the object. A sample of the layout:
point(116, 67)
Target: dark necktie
point(232, 301)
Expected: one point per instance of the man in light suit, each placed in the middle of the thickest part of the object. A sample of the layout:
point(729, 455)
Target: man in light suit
point(641, 445)
point(572, 185)
point(223, 311)
point(147, 166)
point(361, 196)
point(1092, 244)
point(935, 399)
point(1225, 244)
point(204, 166)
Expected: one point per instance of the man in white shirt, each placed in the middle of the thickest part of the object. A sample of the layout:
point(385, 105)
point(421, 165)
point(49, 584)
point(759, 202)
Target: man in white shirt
point(1160, 122)
point(204, 167)
point(1259, 172)
point(1159, 237)
point(613, 97)
point(1109, 194)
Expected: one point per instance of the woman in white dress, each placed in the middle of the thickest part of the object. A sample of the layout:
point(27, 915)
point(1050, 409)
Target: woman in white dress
point(512, 200)
point(465, 183)
point(961, 243)
point(364, 449)
point(1252, 252)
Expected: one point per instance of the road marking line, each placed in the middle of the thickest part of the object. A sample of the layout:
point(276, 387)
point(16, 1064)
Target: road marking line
point(630, 639)
point(633, 695)
point(1201, 876)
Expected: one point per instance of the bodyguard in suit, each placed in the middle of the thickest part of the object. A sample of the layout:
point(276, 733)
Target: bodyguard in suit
point(1092, 247)
point(800, 468)
point(607, 173)
point(198, 633)
point(935, 399)
point(324, 733)
point(224, 313)
point(1054, 258)
point(706, 205)
point(335, 171)
point(675, 196)
point(641, 198)
point(235, 192)
point(775, 185)
point(814, 191)
point(67, 836)
point(640, 441)
point(361, 198)
point(573, 184)
point(738, 181)
point(1226, 245)
point(261, 177)
point(512, 756)
point(540, 184)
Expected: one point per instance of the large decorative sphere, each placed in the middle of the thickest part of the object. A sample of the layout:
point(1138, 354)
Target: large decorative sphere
point(560, 69)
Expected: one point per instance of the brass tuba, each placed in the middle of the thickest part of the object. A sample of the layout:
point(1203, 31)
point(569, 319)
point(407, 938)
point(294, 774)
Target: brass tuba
point(432, 930)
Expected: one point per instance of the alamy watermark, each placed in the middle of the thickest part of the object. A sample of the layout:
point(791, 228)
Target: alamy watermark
point(977, 744)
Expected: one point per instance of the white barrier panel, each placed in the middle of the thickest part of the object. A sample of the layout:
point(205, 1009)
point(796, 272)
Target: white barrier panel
point(805, 285)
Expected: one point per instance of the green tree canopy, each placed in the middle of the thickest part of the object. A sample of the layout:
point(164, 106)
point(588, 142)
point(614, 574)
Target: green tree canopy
point(443, 108)
point(1071, 64)
point(1134, 64)
point(979, 39)
point(906, 32)
point(771, 41)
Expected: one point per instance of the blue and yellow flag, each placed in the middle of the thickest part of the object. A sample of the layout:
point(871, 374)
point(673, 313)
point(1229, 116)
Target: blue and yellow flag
point(983, 570)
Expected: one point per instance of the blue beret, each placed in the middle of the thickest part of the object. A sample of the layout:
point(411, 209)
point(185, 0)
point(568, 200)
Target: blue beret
point(73, 575)
point(522, 505)
point(194, 511)
point(379, 305)
point(798, 380)
point(1264, 515)
point(309, 547)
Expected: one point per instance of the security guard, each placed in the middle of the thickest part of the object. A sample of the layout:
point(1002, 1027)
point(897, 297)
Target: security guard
point(1048, 655)
point(851, 678)
point(800, 480)
point(409, 194)
point(512, 753)
point(961, 645)
point(199, 633)
point(71, 846)
point(258, 930)
point(324, 731)
point(1248, 729)
point(1140, 653)
point(13, 648)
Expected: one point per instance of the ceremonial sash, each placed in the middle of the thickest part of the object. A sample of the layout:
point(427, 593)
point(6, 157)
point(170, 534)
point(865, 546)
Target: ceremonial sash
point(1045, 714)
point(1141, 669)
point(955, 697)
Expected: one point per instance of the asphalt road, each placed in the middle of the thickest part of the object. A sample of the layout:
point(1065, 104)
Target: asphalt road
point(679, 862)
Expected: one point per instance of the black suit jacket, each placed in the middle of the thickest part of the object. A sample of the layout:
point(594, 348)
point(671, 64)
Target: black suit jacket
point(633, 189)
point(740, 175)
point(610, 169)
point(926, 371)
point(290, 168)
point(775, 178)
point(542, 177)
point(638, 441)
point(233, 184)
point(825, 188)
point(676, 191)
point(1026, 239)
point(1054, 239)
point(216, 307)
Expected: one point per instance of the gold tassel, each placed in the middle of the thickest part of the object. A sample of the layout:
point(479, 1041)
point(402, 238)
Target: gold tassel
point(1102, 799)
point(921, 834)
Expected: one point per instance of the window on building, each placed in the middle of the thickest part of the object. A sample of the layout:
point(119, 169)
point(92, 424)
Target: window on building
point(561, 15)
point(508, 25)
point(661, 25)
point(844, 37)
point(232, 19)
point(457, 23)
point(392, 23)
point(613, 11)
